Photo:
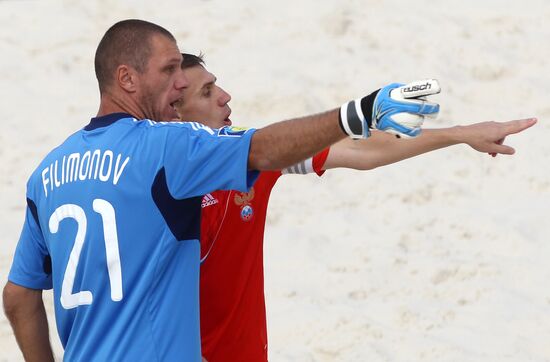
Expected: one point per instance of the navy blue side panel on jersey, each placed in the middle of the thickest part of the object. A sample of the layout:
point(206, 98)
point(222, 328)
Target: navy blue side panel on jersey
point(32, 207)
point(113, 227)
point(182, 216)
point(32, 263)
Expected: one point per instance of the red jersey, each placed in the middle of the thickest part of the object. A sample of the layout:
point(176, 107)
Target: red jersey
point(232, 303)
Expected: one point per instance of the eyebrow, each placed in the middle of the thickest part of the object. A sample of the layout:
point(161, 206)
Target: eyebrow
point(210, 83)
point(170, 63)
point(174, 61)
point(177, 59)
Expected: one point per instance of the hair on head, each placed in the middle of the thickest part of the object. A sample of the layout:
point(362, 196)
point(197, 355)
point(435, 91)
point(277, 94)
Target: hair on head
point(126, 42)
point(191, 60)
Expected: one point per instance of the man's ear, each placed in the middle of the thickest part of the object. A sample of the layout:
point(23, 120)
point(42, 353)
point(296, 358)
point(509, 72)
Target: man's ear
point(126, 78)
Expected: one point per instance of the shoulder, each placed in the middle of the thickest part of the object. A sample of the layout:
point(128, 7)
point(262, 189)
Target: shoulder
point(67, 144)
point(195, 128)
point(174, 125)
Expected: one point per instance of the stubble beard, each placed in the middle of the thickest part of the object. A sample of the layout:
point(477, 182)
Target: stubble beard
point(147, 102)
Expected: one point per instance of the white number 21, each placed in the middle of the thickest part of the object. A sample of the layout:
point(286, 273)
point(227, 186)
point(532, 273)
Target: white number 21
point(107, 212)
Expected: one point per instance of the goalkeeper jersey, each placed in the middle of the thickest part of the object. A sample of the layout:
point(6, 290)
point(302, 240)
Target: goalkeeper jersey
point(112, 224)
point(233, 316)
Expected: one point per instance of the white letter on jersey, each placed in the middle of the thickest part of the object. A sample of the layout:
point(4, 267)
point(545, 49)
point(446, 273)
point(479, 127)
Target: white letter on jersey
point(45, 180)
point(105, 176)
point(118, 170)
point(83, 170)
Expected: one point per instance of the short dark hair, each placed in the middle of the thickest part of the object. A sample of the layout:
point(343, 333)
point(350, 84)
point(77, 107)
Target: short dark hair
point(191, 60)
point(126, 42)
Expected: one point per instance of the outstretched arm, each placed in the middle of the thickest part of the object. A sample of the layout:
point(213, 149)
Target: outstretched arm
point(286, 143)
point(25, 311)
point(382, 148)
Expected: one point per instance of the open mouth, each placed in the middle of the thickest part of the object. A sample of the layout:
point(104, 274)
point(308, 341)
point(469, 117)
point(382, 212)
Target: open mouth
point(174, 108)
point(227, 121)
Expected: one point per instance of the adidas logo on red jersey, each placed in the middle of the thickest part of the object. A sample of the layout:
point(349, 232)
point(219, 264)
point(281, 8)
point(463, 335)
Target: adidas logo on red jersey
point(208, 200)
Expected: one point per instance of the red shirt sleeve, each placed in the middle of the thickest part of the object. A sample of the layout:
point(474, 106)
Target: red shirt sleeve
point(319, 161)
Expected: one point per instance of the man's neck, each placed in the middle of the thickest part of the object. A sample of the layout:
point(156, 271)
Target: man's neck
point(109, 105)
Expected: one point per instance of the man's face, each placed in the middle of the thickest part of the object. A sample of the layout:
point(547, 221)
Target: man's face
point(203, 101)
point(163, 81)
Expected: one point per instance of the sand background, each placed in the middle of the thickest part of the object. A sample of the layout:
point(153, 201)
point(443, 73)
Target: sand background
point(445, 257)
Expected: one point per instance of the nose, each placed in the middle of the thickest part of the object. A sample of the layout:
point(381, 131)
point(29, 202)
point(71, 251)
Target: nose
point(181, 81)
point(224, 98)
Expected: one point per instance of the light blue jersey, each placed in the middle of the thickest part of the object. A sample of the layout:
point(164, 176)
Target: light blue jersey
point(113, 224)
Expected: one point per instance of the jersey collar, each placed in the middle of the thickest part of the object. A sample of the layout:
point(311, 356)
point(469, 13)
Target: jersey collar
point(104, 121)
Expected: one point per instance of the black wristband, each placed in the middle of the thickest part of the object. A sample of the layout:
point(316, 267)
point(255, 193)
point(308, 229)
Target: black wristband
point(356, 117)
point(367, 104)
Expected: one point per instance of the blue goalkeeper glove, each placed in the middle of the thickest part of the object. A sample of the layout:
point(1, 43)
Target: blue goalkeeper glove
point(396, 108)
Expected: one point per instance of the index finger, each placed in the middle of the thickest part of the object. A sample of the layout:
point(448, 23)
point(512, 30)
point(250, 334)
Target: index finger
point(519, 125)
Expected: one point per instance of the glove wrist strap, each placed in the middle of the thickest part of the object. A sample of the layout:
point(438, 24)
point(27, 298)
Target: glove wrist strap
point(367, 105)
point(356, 116)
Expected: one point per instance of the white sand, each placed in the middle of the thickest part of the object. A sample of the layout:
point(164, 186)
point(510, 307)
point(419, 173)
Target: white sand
point(441, 258)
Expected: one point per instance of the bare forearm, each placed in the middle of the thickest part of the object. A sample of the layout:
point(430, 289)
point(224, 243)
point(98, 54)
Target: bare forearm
point(25, 310)
point(286, 143)
point(383, 149)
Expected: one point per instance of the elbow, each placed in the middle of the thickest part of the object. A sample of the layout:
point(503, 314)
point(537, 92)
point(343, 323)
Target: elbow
point(9, 301)
point(17, 300)
point(263, 159)
point(260, 162)
point(266, 154)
